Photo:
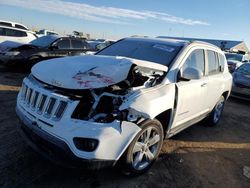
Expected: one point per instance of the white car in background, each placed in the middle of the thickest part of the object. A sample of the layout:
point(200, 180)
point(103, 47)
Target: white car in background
point(235, 60)
point(45, 32)
point(15, 32)
point(119, 104)
point(99, 44)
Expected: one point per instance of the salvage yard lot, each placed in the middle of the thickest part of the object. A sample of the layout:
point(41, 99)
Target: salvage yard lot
point(200, 156)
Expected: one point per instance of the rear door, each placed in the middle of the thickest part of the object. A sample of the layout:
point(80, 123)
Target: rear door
point(63, 48)
point(78, 47)
point(216, 81)
point(191, 94)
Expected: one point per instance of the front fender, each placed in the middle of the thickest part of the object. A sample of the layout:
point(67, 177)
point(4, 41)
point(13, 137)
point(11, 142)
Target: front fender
point(151, 102)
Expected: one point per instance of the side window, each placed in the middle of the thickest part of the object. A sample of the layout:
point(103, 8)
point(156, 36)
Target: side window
point(221, 62)
point(14, 33)
point(2, 32)
point(20, 27)
point(77, 44)
point(196, 60)
point(213, 63)
point(86, 45)
point(63, 44)
point(6, 24)
point(21, 33)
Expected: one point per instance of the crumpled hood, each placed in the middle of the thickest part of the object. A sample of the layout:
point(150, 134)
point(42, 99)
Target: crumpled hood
point(88, 71)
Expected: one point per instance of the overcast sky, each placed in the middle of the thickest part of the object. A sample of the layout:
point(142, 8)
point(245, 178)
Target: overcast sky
point(217, 19)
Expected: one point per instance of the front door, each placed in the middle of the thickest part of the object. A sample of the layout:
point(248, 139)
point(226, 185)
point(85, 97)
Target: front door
point(190, 99)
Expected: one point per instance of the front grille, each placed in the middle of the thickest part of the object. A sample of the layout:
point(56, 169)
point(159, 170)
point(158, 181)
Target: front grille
point(61, 108)
point(43, 104)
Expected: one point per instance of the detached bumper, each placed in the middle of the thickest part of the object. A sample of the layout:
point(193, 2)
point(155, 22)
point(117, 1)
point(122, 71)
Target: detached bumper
point(55, 149)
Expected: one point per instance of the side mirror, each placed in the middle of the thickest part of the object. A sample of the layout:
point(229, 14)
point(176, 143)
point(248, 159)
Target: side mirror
point(191, 74)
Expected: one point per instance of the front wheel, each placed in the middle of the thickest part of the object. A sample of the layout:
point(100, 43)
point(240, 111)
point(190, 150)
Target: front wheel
point(144, 149)
point(214, 118)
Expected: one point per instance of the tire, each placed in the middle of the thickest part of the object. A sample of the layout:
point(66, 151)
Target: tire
point(214, 118)
point(144, 149)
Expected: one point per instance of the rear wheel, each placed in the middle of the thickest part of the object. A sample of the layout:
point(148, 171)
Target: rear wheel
point(214, 118)
point(144, 149)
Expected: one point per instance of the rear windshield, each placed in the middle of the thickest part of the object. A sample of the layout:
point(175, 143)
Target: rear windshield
point(44, 41)
point(154, 51)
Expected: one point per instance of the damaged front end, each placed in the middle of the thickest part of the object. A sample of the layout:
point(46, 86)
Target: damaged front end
point(91, 103)
point(103, 84)
point(103, 104)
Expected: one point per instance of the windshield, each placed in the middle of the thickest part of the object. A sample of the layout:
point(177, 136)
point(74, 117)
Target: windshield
point(244, 69)
point(44, 41)
point(235, 57)
point(149, 50)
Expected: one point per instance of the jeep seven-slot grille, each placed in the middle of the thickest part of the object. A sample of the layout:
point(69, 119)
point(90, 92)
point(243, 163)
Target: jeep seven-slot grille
point(43, 104)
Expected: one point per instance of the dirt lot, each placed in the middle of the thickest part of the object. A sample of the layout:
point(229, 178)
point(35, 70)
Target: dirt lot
point(198, 157)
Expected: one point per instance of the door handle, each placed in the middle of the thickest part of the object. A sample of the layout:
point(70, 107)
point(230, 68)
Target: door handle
point(204, 84)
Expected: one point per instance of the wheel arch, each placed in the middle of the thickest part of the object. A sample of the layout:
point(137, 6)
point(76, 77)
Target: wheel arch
point(165, 118)
point(35, 56)
point(225, 95)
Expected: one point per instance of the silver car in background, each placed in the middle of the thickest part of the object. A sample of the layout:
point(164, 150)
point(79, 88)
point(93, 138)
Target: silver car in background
point(241, 82)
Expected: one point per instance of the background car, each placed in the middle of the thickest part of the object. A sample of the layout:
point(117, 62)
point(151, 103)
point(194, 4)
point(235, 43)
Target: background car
point(45, 47)
point(233, 65)
point(241, 82)
point(237, 57)
point(11, 31)
point(99, 44)
point(45, 32)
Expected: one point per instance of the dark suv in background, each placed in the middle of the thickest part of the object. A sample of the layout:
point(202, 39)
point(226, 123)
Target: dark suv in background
point(42, 48)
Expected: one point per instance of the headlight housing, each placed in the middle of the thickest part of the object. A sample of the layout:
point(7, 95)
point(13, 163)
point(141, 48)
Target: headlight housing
point(12, 53)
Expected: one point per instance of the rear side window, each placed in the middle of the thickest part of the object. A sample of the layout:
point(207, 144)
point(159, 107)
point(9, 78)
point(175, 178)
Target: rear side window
point(221, 62)
point(63, 44)
point(196, 60)
point(213, 63)
point(77, 44)
point(20, 27)
point(6, 24)
point(12, 33)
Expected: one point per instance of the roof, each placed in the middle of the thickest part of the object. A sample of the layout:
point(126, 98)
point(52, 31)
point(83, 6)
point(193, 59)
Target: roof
point(223, 44)
point(175, 42)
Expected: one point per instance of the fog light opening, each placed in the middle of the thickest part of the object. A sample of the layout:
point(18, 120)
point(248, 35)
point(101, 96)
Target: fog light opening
point(85, 144)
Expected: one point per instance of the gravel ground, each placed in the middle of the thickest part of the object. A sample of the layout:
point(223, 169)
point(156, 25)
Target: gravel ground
point(200, 156)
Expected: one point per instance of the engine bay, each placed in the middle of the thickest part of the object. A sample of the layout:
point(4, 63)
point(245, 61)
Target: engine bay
point(102, 104)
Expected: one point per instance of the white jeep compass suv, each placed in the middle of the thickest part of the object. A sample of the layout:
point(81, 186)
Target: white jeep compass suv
point(119, 104)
